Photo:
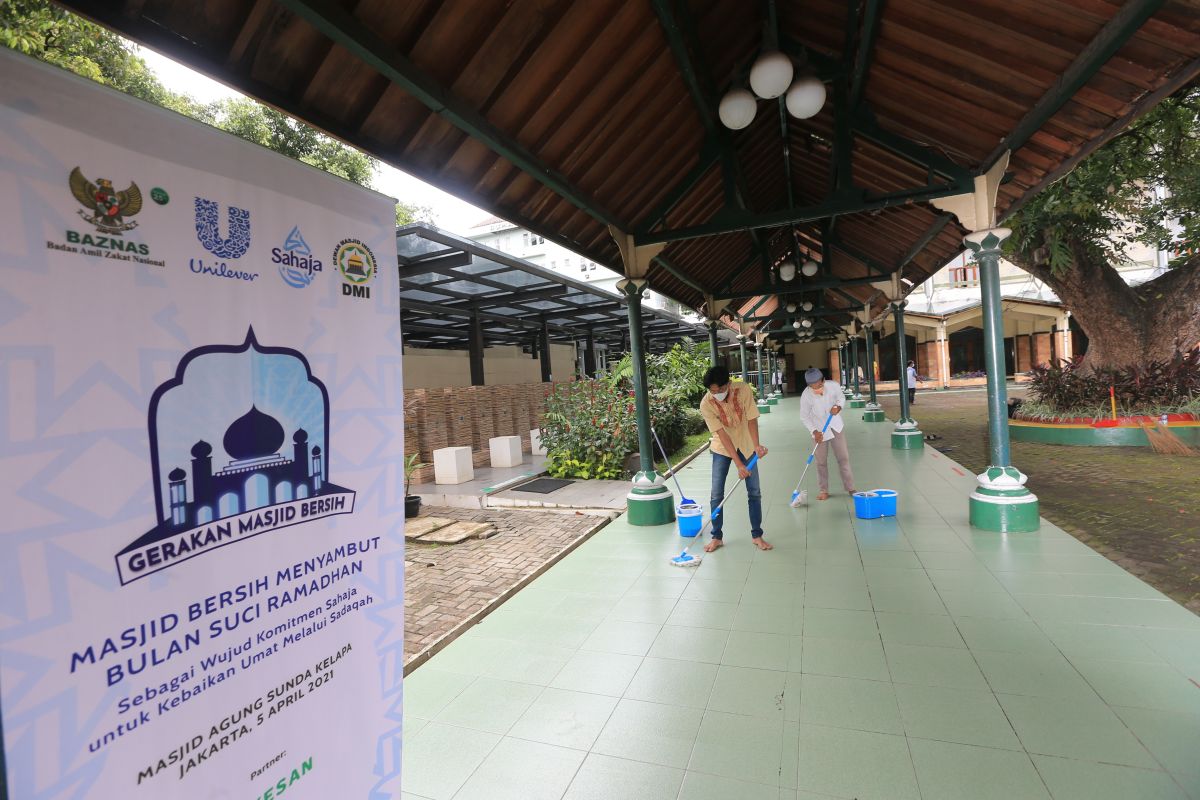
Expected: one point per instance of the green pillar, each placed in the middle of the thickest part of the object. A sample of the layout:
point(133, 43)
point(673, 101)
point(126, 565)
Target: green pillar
point(1000, 502)
point(844, 361)
point(906, 436)
point(764, 407)
point(714, 354)
point(872, 412)
point(857, 400)
point(743, 359)
point(772, 367)
point(649, 500)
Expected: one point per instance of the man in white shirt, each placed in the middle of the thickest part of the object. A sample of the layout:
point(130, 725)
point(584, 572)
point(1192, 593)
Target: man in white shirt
point(911, 373)
point(818, 401)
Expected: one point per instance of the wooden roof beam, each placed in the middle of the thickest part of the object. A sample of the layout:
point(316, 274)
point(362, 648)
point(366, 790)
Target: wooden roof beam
point(331, 19)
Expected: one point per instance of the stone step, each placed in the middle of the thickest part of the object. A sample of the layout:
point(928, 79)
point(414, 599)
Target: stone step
point(459, 532)
point(422, 526)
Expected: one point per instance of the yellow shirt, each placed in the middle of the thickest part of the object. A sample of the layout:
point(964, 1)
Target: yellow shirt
point(741, 397)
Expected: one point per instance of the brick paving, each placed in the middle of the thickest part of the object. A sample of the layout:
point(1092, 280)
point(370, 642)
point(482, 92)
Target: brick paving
point(445, 586)
point(1137, 508)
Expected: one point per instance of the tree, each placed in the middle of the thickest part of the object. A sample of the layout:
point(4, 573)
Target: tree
point(42, 30)
point(1142, 187)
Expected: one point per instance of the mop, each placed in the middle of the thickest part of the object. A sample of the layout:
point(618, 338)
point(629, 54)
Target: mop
point(799, 498)
point(685, 559)
point(682, 499)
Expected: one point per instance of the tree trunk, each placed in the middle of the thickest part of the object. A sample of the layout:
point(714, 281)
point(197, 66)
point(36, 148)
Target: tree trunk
point(1125, 325)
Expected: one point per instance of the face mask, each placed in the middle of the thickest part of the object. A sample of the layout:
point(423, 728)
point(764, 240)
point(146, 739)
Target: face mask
point(721, 395)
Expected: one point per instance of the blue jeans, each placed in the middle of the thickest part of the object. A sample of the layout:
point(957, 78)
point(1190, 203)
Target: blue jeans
point(720, 470)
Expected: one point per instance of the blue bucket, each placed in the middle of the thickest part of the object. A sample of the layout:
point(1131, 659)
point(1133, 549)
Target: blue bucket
point(875, 504)
point(691, 518)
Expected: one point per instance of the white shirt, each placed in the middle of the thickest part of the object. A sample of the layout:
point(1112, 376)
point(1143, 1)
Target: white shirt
point(912, 377)
point(814, 408)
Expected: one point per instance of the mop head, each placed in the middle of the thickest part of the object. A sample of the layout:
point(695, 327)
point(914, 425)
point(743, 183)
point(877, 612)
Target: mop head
point(799, 498)
point(685, 559)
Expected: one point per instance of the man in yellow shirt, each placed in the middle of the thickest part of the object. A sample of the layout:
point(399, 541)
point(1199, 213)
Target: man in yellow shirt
point(731, 413)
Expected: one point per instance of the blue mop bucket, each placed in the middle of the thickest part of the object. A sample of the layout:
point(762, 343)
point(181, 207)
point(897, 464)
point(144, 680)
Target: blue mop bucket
point(875, 504)
point(690, 517)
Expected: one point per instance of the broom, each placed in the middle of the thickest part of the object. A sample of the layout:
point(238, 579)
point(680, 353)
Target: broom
point(1165, 443)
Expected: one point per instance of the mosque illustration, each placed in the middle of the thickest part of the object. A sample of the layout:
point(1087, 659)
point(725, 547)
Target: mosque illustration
point(271, 418)
point(258, 474)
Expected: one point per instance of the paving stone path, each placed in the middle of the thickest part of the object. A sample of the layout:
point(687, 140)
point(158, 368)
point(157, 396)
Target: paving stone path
point(1137, 508)
point(446, 585)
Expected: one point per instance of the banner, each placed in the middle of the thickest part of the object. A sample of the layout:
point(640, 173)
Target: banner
point(201, 443)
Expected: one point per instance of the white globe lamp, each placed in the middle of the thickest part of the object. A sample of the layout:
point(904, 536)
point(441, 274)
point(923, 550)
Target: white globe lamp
point(796, 324)
point(805, 98)
point(810, 268)
point(771, 74)
point(791, 307)
point(806, 323)
point(807, 306)
point(787, 270)
point(737, 109)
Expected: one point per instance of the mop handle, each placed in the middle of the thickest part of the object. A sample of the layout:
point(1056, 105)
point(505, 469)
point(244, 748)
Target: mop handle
point(811, 455)
point(749, 468)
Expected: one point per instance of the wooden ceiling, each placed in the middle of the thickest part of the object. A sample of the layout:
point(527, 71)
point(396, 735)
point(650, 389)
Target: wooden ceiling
point(568, 117)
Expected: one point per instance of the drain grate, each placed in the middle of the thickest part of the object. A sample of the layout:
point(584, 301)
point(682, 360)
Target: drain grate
point(543, 486)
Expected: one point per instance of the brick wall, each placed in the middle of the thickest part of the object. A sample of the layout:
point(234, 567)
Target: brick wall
point(928, 363)
point(468, 416)
point(1021, 347)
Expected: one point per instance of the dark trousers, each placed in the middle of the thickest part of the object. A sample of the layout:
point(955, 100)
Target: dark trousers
point(912, 395)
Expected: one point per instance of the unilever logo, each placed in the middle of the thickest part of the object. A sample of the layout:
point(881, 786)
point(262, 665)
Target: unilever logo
point(208, 229)
point(235, 245)
point(295, 259)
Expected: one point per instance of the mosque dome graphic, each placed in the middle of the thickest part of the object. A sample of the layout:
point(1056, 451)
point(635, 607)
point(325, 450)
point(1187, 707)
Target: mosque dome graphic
point(271, 417)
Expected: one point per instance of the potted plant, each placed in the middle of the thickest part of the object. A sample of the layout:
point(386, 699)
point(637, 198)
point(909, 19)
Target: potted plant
point(412, 502)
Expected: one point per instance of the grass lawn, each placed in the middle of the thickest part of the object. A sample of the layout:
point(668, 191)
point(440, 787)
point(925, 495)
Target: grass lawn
point(690, 444)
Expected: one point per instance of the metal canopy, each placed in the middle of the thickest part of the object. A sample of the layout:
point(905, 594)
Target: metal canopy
point(447, 281)
point(568, 117)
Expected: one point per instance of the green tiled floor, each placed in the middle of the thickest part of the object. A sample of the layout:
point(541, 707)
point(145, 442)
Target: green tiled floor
point(898, 658)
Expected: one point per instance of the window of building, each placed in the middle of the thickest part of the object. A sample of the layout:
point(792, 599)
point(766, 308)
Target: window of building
point(535, 239)
point(964, 276)
point(525, 239)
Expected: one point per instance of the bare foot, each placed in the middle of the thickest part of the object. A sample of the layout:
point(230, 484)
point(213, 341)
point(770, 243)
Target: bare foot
point(823, 496)
point(712, 545)
point(762, 544)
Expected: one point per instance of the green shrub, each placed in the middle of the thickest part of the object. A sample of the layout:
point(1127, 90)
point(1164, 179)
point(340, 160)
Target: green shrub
point(693, 421)
point(1156, 386)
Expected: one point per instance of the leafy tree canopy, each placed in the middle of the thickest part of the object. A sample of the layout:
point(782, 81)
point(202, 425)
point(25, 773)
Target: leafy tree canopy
point(1142, 187)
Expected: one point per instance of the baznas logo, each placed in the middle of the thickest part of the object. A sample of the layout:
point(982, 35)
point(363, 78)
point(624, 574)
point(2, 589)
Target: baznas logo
point(357, 264)
point(208, 229)
point(106, 209)
point(296, 264)
point(271, 417)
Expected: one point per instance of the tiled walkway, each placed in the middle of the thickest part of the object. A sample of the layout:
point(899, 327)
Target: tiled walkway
point(902, 658)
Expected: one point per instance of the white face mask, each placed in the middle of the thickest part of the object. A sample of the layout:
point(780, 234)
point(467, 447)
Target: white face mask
point(721, 395)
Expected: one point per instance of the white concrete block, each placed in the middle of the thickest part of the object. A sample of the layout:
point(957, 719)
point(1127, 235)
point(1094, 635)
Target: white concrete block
point(535, 441)
point(453, 465)
point(505, 451)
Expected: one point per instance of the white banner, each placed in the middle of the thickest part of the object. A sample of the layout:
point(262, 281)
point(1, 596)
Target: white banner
point(201, 443)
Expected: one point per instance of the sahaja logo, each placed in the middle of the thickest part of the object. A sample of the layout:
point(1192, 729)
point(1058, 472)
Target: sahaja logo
point(297, 267)
point(271, 418)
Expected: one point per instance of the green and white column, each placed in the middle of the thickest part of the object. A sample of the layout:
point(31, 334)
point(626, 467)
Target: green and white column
point(872, 412)
point(650, 502)
point(744, 360)
point(856, 400)
point(772, 366)
point(713, 352)
point(906, 435)
point(1000, 502)
point(844, 361)
point(764, 406)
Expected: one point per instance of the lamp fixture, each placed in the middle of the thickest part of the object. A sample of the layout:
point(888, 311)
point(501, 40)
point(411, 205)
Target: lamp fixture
point(805, 98)
point(796, 324)
point(807, 306)
point(771, 74)
point(791, 307)
point(787, 270)
point(810, 268)
point(806, 322)
point(737, 109)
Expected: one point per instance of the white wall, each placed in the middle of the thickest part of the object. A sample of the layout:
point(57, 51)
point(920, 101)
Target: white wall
point(431, 369)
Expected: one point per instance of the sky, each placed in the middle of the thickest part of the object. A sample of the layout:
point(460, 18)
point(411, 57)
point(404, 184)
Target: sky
point(449, 212)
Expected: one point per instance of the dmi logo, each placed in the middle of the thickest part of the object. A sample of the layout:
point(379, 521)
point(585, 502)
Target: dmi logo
point(273, 473)
point(357, 265)
point(296, 263)
point(235, 245)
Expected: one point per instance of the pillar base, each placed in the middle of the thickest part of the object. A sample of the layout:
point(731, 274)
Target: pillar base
point(772, 401)
point(650, 502)
point(858, 403)
point(907, 436)
point(764, 407)
point(1001, 502)
point(874, 415)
